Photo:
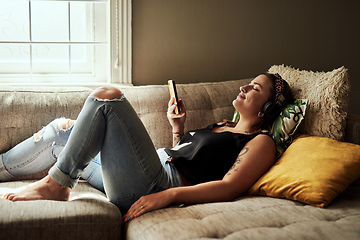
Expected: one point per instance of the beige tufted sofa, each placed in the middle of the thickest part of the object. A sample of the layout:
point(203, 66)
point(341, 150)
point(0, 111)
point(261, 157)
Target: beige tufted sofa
point(89, 215)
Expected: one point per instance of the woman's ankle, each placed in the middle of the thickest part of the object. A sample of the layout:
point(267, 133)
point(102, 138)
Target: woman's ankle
point(57, 190)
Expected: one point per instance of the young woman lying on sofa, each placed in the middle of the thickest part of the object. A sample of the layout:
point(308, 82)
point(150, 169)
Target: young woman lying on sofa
point(217, 163)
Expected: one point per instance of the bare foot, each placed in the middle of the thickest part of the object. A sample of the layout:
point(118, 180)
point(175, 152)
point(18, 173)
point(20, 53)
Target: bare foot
point(44, 189)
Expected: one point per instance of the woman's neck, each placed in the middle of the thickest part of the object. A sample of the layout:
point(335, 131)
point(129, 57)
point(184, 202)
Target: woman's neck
point(249, 126)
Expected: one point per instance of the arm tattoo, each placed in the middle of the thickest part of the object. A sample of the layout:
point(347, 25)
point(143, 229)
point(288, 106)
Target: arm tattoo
point(238, 160)
point(176, 138)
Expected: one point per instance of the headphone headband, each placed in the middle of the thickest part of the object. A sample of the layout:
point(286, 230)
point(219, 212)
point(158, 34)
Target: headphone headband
point(279, 88)
point(272, 108)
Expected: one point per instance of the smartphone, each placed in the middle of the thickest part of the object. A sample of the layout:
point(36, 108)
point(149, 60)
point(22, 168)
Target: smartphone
point(173, 93)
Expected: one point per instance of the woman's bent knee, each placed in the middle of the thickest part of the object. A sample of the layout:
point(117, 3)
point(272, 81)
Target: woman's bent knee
point(62, 124)
point(106, 93)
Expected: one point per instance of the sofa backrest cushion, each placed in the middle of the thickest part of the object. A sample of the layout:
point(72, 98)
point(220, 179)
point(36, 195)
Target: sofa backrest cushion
point(205, 103)
point(25, 110)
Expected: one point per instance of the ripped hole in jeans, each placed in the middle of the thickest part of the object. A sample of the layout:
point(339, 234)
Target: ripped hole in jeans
point(64, 124)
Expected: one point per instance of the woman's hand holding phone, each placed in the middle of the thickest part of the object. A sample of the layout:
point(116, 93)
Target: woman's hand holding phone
point(176, 110)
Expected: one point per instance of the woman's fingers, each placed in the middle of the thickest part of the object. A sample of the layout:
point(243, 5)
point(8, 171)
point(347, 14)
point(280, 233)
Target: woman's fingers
point(171, 109)
point(137, 209)
point(171, 101)
point(148, 203)
point(176, 115)
point(171, 112)
point(172, 106)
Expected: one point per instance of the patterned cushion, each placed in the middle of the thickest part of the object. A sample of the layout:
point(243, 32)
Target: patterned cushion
point(285, 126)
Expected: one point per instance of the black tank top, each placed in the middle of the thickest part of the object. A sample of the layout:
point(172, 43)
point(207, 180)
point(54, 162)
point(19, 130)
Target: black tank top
point(202, 155)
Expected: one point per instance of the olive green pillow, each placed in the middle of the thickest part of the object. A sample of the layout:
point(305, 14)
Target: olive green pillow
point(286, 124)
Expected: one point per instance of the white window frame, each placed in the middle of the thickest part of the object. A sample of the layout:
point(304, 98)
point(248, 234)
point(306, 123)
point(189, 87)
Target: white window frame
point(119, 47)
point(121, 44)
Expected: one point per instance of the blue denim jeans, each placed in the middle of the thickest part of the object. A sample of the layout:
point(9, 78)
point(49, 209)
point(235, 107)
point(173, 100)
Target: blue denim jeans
point(36, 154)
point(108, 146)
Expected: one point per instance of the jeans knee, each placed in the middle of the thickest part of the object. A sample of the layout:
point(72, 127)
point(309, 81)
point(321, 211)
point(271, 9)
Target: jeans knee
point(52, 129)
point(38, 135)
point(65, 124)
point(106, 93)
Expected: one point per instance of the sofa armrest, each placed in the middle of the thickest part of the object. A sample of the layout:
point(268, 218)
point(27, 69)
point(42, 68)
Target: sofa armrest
point(352, 131)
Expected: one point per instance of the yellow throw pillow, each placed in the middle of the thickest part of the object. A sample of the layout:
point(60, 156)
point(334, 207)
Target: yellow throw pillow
point(313, 170)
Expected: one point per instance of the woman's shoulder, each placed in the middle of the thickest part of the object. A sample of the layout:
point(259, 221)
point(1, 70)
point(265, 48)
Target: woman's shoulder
point(263, 138)
point(262, 144)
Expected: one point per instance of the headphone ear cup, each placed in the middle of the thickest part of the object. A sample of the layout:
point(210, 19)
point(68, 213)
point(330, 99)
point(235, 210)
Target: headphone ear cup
point(271, 109)
point(267, 108)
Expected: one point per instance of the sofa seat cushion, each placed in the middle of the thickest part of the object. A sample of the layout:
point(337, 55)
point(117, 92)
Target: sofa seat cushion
point(88, 215)
point(253, 217)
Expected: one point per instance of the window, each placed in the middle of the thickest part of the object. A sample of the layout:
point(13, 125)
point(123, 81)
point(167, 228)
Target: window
point(65, 42)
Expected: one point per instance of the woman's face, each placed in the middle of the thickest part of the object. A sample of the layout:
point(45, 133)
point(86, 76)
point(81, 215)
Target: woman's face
point(253, 96)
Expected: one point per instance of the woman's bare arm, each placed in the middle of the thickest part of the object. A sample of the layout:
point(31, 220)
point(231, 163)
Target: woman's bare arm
point(176, 121)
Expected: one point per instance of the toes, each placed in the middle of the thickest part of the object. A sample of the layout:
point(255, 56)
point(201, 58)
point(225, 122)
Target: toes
point(15, 198)
point(10, 196)
point(7, 196)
